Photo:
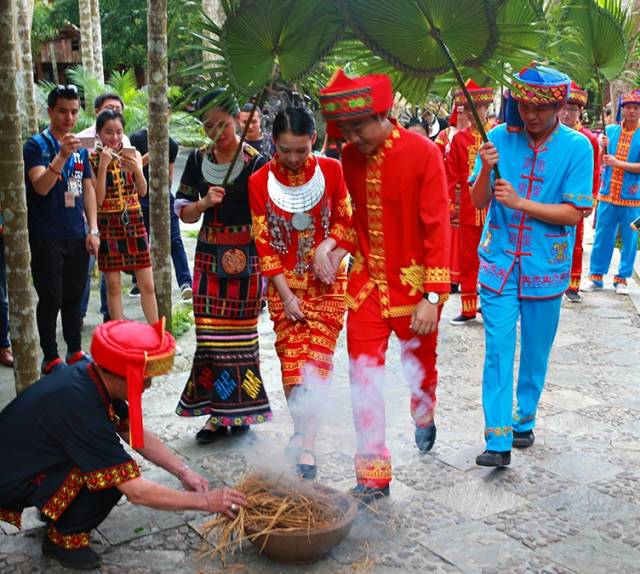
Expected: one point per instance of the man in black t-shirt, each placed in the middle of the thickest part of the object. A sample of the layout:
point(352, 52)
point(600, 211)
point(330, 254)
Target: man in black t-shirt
point(140, 140)
point(61, 448)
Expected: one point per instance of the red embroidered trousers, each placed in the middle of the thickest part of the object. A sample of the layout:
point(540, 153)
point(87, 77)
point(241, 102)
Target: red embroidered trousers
point(367, 339)
point(576, 265)
point(469, 264)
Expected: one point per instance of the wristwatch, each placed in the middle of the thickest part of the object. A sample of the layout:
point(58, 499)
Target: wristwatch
point(95, 232)
point(432, 297)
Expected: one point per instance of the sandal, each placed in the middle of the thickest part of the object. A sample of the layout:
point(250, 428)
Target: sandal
point(291, 452)
point(307, 471)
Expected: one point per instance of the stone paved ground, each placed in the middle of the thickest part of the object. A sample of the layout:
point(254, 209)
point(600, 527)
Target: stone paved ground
point(570, 504)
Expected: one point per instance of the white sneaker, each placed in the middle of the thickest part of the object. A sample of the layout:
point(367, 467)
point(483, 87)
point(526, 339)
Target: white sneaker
point(187, 292)
point(592, 287)
point(621, 289)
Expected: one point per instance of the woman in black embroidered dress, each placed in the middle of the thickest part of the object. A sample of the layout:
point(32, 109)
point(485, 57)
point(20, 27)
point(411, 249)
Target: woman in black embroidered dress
point(225, 381)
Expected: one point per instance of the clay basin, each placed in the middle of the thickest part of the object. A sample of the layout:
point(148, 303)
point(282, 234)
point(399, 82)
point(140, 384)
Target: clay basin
point(304, 546)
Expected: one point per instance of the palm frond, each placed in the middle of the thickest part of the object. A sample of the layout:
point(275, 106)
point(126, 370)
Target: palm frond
point(595, 40)
point(406, 38)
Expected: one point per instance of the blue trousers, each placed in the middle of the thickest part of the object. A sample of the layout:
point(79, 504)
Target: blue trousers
point(178, 255)
point(610, 219)
point(538, 326)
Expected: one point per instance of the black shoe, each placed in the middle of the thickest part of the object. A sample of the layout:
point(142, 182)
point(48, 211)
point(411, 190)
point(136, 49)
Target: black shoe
point(462, 320)
point(307, 471)
point(135, 291)
point(206, 435)
point(425, 437)
point(365, 495)
point(81, 559)
point(523, 439)
point(573, 296)
point(242, 429)
point(455, 288)
point(494, 458)
point(106, 318)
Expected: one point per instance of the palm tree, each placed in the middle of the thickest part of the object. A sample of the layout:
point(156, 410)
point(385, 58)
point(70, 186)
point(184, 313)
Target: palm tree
point(159, 154)
point(13, 201)
point(24, 47)
point(86, 35)
point(96, 30)
point(214, 10)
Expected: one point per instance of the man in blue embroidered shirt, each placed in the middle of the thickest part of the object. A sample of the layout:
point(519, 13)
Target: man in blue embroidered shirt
point(526, 248)
point(619, 197)
point(59, 194)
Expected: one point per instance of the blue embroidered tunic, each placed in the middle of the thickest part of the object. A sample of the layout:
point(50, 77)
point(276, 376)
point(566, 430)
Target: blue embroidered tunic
point(618, 186)
point(559, 170)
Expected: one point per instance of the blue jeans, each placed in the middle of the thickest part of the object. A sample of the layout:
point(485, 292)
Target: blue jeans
point(4, 301)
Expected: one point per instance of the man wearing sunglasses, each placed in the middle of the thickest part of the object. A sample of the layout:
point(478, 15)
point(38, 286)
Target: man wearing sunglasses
point(59, 194)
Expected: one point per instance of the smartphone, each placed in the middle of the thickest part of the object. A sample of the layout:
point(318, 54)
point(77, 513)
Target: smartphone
point(88, 142)
point(128, 152)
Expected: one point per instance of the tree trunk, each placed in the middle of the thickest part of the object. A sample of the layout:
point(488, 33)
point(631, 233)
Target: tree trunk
point(213, 9)
point(97, 40)
point(86, 35)
point(54, 62)
point(13, 201)
point(29, 90)
point(159, 155)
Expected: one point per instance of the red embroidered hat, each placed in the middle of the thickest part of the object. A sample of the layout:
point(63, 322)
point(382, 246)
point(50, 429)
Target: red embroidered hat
point(478, 95)
point(577, 95)
point(347, 99)
point(135, 351)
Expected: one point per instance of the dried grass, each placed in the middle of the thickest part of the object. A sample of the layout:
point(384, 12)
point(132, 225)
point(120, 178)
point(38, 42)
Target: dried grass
point(275, 504)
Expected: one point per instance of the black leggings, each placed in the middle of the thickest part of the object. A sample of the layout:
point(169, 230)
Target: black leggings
point(59, 268)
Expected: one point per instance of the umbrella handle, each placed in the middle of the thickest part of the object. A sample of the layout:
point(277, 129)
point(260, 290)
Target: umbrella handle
point(436, 35)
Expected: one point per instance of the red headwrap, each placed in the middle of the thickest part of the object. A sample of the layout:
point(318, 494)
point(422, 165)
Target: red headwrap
point(577, 95)
point(347, 99)
point(135, 351)
point(478, 96)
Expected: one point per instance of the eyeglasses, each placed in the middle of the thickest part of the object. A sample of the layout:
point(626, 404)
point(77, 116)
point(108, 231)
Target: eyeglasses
point(65, 89)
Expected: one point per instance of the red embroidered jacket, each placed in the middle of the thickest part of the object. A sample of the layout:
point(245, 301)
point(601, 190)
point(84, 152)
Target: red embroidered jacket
point(282, 248)
point(459, 165)
point(596, 157)
point(400, 239)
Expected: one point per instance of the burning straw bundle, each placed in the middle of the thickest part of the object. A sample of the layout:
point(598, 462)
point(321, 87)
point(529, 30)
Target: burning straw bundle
point(275, 504)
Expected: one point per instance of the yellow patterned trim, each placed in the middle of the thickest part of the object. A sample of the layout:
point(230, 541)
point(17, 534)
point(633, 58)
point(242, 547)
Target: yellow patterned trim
point(344, 207)
point(74, 541)
point(11, 516)
point(357, 262)
point(339, 230)
point(65, 494)
point(618, 201)
point(372, 468)
point(617, 174)
point(436, 275)
point(159, 365)
point(259, 228)
point(354, 303)
point(412, 276)
point(498, 431)
point(110, 477)
point(270, 263)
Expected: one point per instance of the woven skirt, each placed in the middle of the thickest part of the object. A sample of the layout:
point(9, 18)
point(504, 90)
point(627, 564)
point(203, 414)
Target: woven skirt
point(123, 247)
point(225, 381)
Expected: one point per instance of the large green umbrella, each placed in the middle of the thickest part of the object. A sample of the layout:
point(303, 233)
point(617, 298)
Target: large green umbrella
point(595, 41)
point(264, 42)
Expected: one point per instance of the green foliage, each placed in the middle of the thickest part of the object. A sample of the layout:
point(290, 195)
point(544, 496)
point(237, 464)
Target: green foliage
point(406, 38)
point(183, 127)
point(182, 319)
point(594, 39)
point(124, 29)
